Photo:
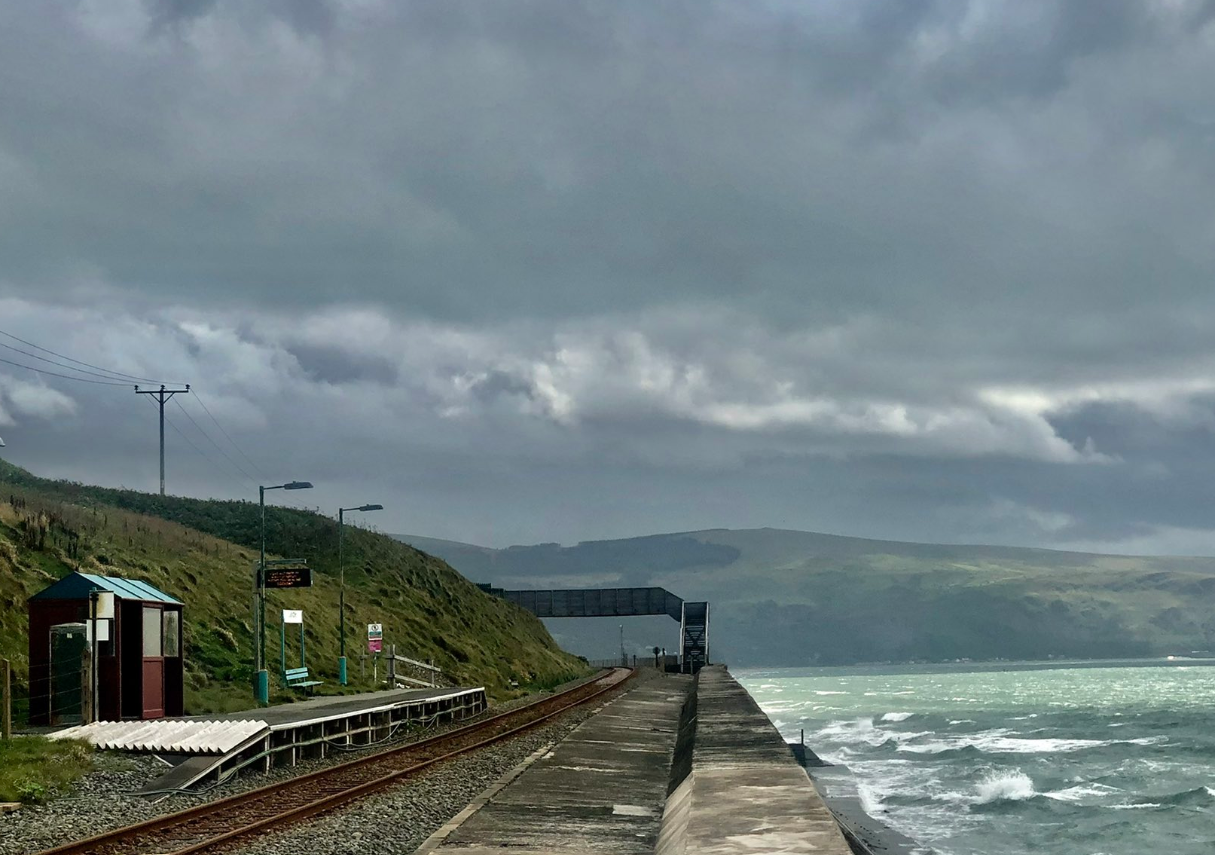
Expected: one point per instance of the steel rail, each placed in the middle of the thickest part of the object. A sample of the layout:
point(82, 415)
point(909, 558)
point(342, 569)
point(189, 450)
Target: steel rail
point(128, 839)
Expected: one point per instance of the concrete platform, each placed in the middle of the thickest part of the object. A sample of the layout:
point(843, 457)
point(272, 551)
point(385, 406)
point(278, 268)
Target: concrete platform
point(329, 706)
point(744, 792)
point(317, 727)
point(601, 790)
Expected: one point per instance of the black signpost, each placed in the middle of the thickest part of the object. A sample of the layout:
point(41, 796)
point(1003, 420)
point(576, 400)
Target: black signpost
point(288, 577)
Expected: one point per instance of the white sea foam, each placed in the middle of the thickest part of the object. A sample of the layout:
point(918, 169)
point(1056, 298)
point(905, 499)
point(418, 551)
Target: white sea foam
point(897, 716)
point(1083, 793)
point(1009, 785)
point(870, 801)
point(1003, 741)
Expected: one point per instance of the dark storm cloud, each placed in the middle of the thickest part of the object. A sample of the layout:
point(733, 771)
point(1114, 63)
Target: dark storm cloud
point(562, 270)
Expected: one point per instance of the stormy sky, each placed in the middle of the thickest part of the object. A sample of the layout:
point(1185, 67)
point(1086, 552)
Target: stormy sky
point(555, 271)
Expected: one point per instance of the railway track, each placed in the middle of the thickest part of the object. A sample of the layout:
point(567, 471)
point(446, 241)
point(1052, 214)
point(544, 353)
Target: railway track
point(217, 824)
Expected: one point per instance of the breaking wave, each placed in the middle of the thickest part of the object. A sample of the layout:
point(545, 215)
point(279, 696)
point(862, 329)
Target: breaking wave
point(1005, 786)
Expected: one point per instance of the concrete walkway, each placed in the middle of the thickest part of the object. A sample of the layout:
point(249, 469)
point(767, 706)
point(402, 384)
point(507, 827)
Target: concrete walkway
point(601, 790)
point(746, 793)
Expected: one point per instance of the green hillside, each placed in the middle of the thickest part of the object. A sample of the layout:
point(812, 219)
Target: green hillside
point(203, 553)
point(792, 598)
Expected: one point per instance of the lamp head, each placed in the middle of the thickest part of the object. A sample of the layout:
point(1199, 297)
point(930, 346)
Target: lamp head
point(372, 508)
point(298, 485)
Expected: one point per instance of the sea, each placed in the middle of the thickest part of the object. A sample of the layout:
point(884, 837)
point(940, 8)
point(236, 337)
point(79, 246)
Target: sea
point(1014, 758)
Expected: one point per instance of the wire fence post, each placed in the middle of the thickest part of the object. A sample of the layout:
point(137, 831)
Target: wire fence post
point(8, 701)
point(86, 685)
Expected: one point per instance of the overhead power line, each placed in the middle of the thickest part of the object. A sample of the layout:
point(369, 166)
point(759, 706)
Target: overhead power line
point(64, 376)
point(116, 374)
point(200, 452)
point(239, 451)
point(57, 364)
point(227, 456)
point(101, 376)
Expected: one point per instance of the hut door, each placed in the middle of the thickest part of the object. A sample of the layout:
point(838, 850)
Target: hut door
point(153, 665)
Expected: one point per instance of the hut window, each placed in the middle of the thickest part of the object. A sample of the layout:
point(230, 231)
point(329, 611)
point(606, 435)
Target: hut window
point(172, 635)
point(151, 632)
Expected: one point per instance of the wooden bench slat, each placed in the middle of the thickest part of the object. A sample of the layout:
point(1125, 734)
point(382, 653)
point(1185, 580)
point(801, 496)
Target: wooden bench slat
point(297, 678)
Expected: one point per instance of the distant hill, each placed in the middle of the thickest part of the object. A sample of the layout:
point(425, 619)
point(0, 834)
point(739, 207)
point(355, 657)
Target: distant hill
point(203, 552)
point(793, 598)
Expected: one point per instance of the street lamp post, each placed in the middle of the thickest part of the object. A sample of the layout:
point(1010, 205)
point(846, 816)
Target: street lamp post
point(342, 591)
point(261, 678)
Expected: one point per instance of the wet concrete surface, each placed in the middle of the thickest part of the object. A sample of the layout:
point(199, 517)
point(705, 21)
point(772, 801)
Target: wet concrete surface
point(601, 790)
point(746, 792)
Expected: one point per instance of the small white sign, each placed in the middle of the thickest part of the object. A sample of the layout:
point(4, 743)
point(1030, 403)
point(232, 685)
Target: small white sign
point(103, 630)
point(105, 605)
point(375, 630)
point(293, 615)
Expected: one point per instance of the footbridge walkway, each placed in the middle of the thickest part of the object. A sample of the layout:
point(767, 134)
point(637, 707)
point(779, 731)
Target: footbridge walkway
point(693, 617)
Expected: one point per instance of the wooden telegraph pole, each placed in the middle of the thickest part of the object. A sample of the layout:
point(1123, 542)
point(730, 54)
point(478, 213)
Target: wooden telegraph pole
point(160, 396)
point(8, 701)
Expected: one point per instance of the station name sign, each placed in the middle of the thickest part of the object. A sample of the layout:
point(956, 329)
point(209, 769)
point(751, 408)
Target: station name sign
point(288, 577)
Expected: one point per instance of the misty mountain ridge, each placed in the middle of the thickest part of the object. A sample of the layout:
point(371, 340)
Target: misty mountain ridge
point(785, 597)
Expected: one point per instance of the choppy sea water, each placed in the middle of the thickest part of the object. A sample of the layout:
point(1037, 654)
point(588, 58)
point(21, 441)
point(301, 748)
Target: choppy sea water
point(1066, 760)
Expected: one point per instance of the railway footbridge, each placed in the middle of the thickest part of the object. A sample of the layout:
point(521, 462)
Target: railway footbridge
point(693, 617)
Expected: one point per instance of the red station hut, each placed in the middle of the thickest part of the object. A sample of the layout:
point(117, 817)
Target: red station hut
point(140, 673)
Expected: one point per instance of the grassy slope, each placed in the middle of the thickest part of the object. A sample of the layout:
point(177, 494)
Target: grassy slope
point(787, 597)
point(203, 552)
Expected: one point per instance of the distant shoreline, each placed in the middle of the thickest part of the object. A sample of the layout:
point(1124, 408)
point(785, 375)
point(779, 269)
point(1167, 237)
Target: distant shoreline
point(977, 666)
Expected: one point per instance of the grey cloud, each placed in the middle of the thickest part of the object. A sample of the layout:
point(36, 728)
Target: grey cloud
point(331, 364)
point(553, 158)
point(562, 270)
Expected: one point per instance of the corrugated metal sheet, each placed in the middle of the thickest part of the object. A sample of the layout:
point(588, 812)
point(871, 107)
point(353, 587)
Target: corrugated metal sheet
point(166, 736)
point(76, 586)
point(130, 589)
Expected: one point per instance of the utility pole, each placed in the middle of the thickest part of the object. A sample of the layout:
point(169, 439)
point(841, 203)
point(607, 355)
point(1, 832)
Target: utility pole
point(6, 679)
point(342, 594)
point(162, 395)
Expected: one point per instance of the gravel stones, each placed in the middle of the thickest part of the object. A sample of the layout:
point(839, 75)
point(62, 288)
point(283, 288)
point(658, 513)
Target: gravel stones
point(398, 820)
point(97, 802)
point(102, 800)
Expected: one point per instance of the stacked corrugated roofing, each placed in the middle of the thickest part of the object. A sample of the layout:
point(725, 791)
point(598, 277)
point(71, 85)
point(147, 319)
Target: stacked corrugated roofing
point(167, 736)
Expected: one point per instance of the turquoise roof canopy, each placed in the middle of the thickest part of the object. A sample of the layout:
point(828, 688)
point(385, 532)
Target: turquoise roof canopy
point(78, 586)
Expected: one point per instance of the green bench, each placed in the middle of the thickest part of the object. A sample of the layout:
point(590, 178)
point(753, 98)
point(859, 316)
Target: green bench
point(297, 678)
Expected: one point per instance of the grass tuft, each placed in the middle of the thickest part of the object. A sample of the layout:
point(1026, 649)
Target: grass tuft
point(34, 768)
